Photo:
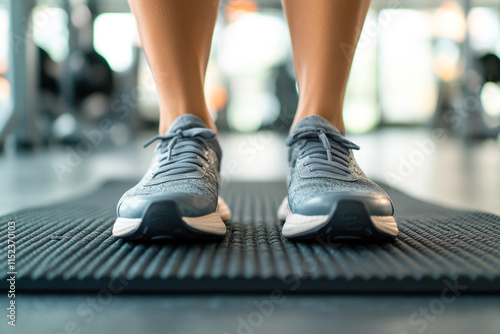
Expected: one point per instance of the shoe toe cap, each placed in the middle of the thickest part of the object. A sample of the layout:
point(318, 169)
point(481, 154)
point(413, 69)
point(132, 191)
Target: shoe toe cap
point(189, 205)
point(323, 204)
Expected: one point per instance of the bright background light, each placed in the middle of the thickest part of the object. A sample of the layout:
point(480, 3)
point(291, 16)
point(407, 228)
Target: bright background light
point(449, 21)
point(361, 110)
point(50, 31)
point(408, 88)
point(484, 27)
point(114, 37)
point(490, 98)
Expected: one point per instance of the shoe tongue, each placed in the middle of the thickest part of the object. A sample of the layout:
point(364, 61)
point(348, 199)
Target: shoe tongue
point(189, 121)
point(317, 122)
point(185, 122)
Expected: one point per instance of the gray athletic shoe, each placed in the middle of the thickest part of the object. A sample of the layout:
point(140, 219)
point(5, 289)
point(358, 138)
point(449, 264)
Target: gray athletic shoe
point(328, 194)
point(178, 196)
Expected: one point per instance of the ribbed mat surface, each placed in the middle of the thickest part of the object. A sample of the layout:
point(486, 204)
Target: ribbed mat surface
point(69, 247)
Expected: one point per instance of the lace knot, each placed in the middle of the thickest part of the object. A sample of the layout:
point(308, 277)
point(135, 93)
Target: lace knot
point(327, 150)
point(185, 158)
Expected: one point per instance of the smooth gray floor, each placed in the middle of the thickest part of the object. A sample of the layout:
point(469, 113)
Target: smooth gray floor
point(446, 172)
point(255, 314)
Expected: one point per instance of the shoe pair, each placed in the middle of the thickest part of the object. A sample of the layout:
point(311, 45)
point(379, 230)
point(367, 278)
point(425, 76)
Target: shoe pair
point(328, 194)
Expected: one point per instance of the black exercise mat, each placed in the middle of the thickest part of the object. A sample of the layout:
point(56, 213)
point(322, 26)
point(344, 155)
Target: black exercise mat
point(69, 247)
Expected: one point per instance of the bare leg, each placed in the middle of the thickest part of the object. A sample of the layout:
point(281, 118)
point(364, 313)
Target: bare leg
point(176, 36)
point(319, 29)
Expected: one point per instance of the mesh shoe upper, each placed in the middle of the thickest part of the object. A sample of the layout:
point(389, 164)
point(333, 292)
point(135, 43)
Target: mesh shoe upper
point(321, 161)
point(185, 168)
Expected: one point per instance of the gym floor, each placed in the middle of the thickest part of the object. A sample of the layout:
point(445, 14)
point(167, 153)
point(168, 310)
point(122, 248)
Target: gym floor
point(245, 314)
point(414, 160)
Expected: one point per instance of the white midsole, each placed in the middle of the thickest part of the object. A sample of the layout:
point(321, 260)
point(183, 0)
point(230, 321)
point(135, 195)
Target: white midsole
point(212, 223)
point(296, 223)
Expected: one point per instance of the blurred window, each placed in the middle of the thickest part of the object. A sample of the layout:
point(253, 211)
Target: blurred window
point(484, 28)
point(408, 88)
point(361, 109)
point(50, 31)
point(114, 37)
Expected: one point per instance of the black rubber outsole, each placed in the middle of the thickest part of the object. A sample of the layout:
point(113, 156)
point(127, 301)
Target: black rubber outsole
point(163, 221)
point(348, 220)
